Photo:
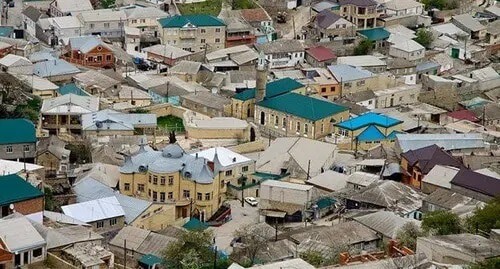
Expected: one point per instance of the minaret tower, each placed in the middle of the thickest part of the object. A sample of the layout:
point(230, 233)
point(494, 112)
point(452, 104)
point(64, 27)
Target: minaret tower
point(261, 80)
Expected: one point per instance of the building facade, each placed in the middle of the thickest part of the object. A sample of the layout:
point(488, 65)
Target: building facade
point(19, 142)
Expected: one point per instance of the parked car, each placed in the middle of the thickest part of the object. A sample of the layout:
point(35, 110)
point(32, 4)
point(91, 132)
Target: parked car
point(251, 201)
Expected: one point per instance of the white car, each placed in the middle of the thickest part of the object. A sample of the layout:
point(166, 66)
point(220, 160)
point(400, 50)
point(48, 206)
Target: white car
point(252, 201)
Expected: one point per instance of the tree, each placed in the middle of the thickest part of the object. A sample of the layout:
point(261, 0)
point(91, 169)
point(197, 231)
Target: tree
point(440, 4)
point(192, 251)
point(441, 223)
point(313, 257)
point(364, 47)
point(485, 218)
point(107, 3)
point(171, 137)
point(493, 263)
point(254, 239)
point(424, 37)
point(50, 203)
point(408, 234)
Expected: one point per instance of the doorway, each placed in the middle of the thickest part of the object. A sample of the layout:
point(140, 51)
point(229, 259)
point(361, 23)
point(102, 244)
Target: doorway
point(252, 134)
point(262, 118)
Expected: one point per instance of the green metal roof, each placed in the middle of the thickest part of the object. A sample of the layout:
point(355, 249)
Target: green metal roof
point(150, 260)
point(325, 202)
point(15, 189)
point(375, 34)
point(19, 131)
point(72, 88)
point(303, 106)
point(199, 20)
point(195, 224)
point(273, 88)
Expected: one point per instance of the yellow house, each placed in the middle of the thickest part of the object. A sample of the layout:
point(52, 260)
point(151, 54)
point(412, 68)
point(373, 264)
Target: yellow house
point(243, 103)
point(367, 130)
point(190, 182)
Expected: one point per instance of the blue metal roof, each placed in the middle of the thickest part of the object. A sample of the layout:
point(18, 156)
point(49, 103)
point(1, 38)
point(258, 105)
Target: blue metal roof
point(346, 73)
point(367, 119)
point(54, 67)
point(371, 133)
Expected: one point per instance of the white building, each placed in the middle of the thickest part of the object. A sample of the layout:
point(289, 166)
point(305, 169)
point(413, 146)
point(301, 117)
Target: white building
point(282, 53)
point(107, 23)
point(22, 239)
point(66, 27)
point(403, 8)
point(286, 192)
point(408, 49)
point(17, 65)
point(60, 8)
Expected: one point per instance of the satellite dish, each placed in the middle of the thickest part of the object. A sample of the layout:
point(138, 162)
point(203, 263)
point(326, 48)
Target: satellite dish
point(143, 168)
point(98, 124)
point(187, 174)
point(11, 206)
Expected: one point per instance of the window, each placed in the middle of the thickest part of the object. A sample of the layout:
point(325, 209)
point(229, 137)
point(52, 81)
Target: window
point(127, 186)
point(92, 26)
point(108, 57)
point(99, 58)
point(140, 187)
point(106, 25)
point(134, 21)
point(162, 197)
point(207, 196)
point(143, 20)
point(298, 127)
point(155, 180)
point(170, 180)
point(162, 180)
point(217, 40)
point(100, 224)
point(222, 184)
point(229, 173)
point(217, 30)
point(203, 31)
point(149, 192)
point(199, 196)
point(202, 40)
point(170, 195)
point(112, 222)
point(400, 98)
point(306, 128)
point(37, 252)
point(347, 85)
point(155, 196)
point(322, 128)
point(244, 169)
point(185, 194)
point(276, 121)
point(150, 178)
point(323, 89)
point(8, 149)
point(370, 102)
point(360, 83)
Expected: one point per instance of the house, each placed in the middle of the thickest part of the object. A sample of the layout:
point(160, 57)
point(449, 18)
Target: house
point(21, 239)
point(40, 87)
point(470, 25)
point(379, 36)
point(488, 113)
point(367, 62)
point(364, 98)
point(285, 199)
point(448, 142)
point(418, 163)
point(193, 32)
point(386, 223)
point(166, 54)
point(21, 47)
point(320, 56)
point(296, 156)
point(353, 79)
point(5, 48)
point(16, 65)
point(365, 130)
point(56, 70)
point(446, 200)
point(407, 49)
point(26, 200)
point(113, 123)
point(32, 172)
point(131, 97)
point(107, 23)
point(329, 181)
point(19, 143)
point(98, 84)
point(298, 115)
point(397, 96)
point(63, 114)
point(52, 155)
point(322, 82)
point(427, 68)
point(88, 255)
point(241, 56)
point(493, 35)
point(59, 8)
point(143, 245)
point(361, 180)
point(458, 249)
point(282, 53)
point(238, 32)
point(207, 103)
point(30, 18)
point(145, 19)
point(439, 177)
point(186, 70)
point(89, 51)
point(403, 8)
point(362, 13)
point(330, 26)
point(243, 103)
point(293, 263)
point(476, 185)
point(174, 176)
point(389, 195)
point(105, 214)
point(64, 28)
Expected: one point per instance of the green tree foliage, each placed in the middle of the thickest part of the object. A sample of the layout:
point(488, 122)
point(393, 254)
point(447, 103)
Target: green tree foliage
point(408, 234)
point(486, 218)
point(30, 110)
point(364, 47)
point(441, 223)
point(50, 203)
point(493, 263)
point(440, 4)
point(80, 153)
point(424, 37)
point(192, 251)
point(313, 257)
point(107, 3)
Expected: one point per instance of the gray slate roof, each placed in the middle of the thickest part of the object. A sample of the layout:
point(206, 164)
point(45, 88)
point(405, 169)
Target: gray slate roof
point(384, 222)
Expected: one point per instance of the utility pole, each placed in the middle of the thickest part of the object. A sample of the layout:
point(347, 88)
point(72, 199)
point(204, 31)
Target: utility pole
point(215, 256)
point(308, 169)
point(293, 25)
point(124, 253)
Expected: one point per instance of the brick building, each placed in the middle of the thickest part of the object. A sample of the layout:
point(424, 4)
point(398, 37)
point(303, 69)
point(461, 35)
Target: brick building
point(26, 199)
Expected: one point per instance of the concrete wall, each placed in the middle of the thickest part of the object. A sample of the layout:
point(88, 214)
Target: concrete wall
point(443, 254)
point(18, 151)
point(120, 222)
point(198, 39)
point(471, 193)
point(156, 217)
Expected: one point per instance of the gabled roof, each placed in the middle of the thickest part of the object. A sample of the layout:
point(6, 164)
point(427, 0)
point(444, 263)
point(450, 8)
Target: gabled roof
point(430, 156)
point(371, 133)
point(446, 141)
point(326, 18)
point(14, 189)
point(73, 89)
point(302, 106)
point(360, 3)
point(67, 6)
point(402, 4)
point(100, 209)
point(19, 235)
point(469, 22)
point(321, 53)
point(197, 20)
point(86, 43)
point(70, 104)
point(32, 13)
point(477, 182)
point(370, 118)
point(255, 15)
point(20, 131)
point(346, 73)
point(408, 45)
point(14, 60)
point(54, 67)
point(280, 46)
point(273, 88)
point(384, 222)
point(463, 114)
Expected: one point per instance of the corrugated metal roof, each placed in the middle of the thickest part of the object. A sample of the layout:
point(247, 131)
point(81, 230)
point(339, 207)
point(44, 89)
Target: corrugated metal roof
point(19, 235)
point(367, 119)
point(446, 141)
point(94, 210)
point(199, 20)
point(346, 73)
point(384, 222)
point(15, 189)
point(20, 131)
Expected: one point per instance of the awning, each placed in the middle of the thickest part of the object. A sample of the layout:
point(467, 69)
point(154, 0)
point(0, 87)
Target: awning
point(273, 214)
point(150, 260)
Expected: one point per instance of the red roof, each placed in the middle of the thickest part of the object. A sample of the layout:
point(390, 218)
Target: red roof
point(321, 53)
point(463, 115)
